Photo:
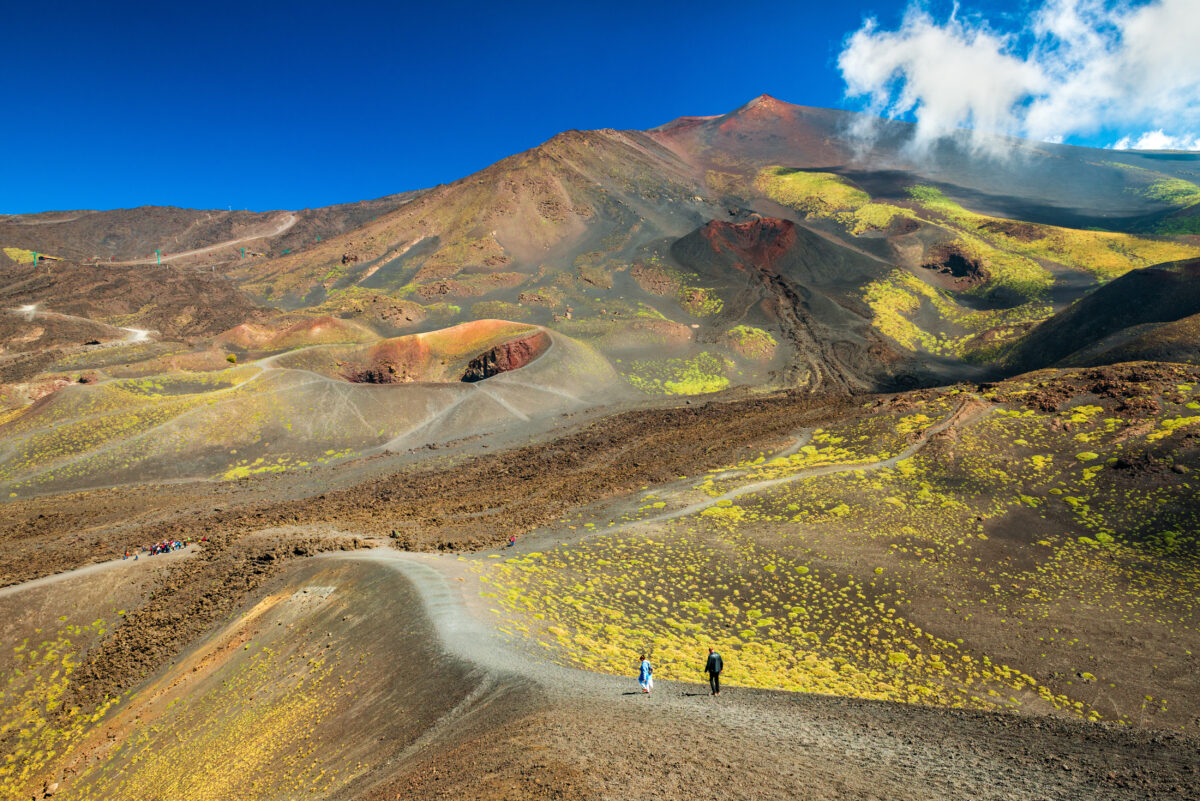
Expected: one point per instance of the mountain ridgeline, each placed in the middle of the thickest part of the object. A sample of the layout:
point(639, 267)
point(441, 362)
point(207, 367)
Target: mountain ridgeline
point(767, 245)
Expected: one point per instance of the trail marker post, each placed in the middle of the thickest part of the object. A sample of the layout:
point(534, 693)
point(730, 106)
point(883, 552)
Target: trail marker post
point(243, 253)
point(35, 258)
point(158, 256)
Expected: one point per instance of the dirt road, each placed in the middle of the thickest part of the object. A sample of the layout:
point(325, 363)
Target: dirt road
point(286, 221)
point(133, 336)
point(96, 567)
point(966, 412)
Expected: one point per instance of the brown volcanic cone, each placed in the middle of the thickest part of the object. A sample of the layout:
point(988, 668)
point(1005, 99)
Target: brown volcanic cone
point(781, 274)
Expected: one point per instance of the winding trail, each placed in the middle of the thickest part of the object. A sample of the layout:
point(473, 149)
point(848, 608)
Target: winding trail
point(968, 411)
point(282, 224)
point(960, 415)
point(133, 336)
point(96, 567)
point(796, 741)
point(12, 221)
point(870, 749)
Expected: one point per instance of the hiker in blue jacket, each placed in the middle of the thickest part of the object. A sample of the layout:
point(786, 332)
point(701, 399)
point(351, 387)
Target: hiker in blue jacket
point(646, 675)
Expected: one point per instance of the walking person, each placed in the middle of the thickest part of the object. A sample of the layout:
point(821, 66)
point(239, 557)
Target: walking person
point(646, 675)
point(713, 668)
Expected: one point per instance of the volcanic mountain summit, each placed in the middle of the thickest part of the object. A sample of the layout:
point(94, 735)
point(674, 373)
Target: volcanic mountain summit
point(766, 247)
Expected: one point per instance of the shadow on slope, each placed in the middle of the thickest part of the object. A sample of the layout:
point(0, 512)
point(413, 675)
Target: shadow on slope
point(1108, 325)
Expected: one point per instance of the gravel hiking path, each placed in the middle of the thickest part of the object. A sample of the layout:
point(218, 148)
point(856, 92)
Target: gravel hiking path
point(98, 567)
point(282, 224)
point(133, 336)
point(15, 220)
point(967, 412)
point(435, 503)
point(679, 740)
point(970, 410)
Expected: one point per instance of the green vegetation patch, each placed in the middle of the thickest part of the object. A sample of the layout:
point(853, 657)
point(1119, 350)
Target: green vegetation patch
point(697, 375)
point(790, 627)
point(1174, 191)
point(19, 255)
point(753, 343)
point(823, 194)
point(1185, 225)
point(658, 279)
point(975, 335)
point(1177, 192)
point(36, 735)
point(996, 573)
point(1105, 254)
point(820, 193)
point(500, 310)
point(700, 302)
point(281, 464)
point(443, 310)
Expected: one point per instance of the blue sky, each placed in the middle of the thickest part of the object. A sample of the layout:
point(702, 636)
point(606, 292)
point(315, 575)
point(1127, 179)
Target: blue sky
point(287, 105)
point(273, 105)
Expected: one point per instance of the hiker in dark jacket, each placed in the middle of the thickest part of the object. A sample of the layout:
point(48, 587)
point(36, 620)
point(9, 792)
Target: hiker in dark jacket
point(713, 668)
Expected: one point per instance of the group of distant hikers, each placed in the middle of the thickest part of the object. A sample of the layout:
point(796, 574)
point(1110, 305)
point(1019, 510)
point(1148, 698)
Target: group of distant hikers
point(713, 667)
point(166, 546)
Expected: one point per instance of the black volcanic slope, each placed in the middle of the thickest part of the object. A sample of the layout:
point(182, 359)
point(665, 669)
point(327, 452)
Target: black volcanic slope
point(1153, 295)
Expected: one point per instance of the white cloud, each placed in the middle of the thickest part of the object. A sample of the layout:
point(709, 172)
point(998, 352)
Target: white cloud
point(1077, 67)
point(1157, 140)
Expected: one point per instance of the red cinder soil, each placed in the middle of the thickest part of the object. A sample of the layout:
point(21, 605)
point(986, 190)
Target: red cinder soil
point(507, 356)
point(760, 242)
point(395, 361)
